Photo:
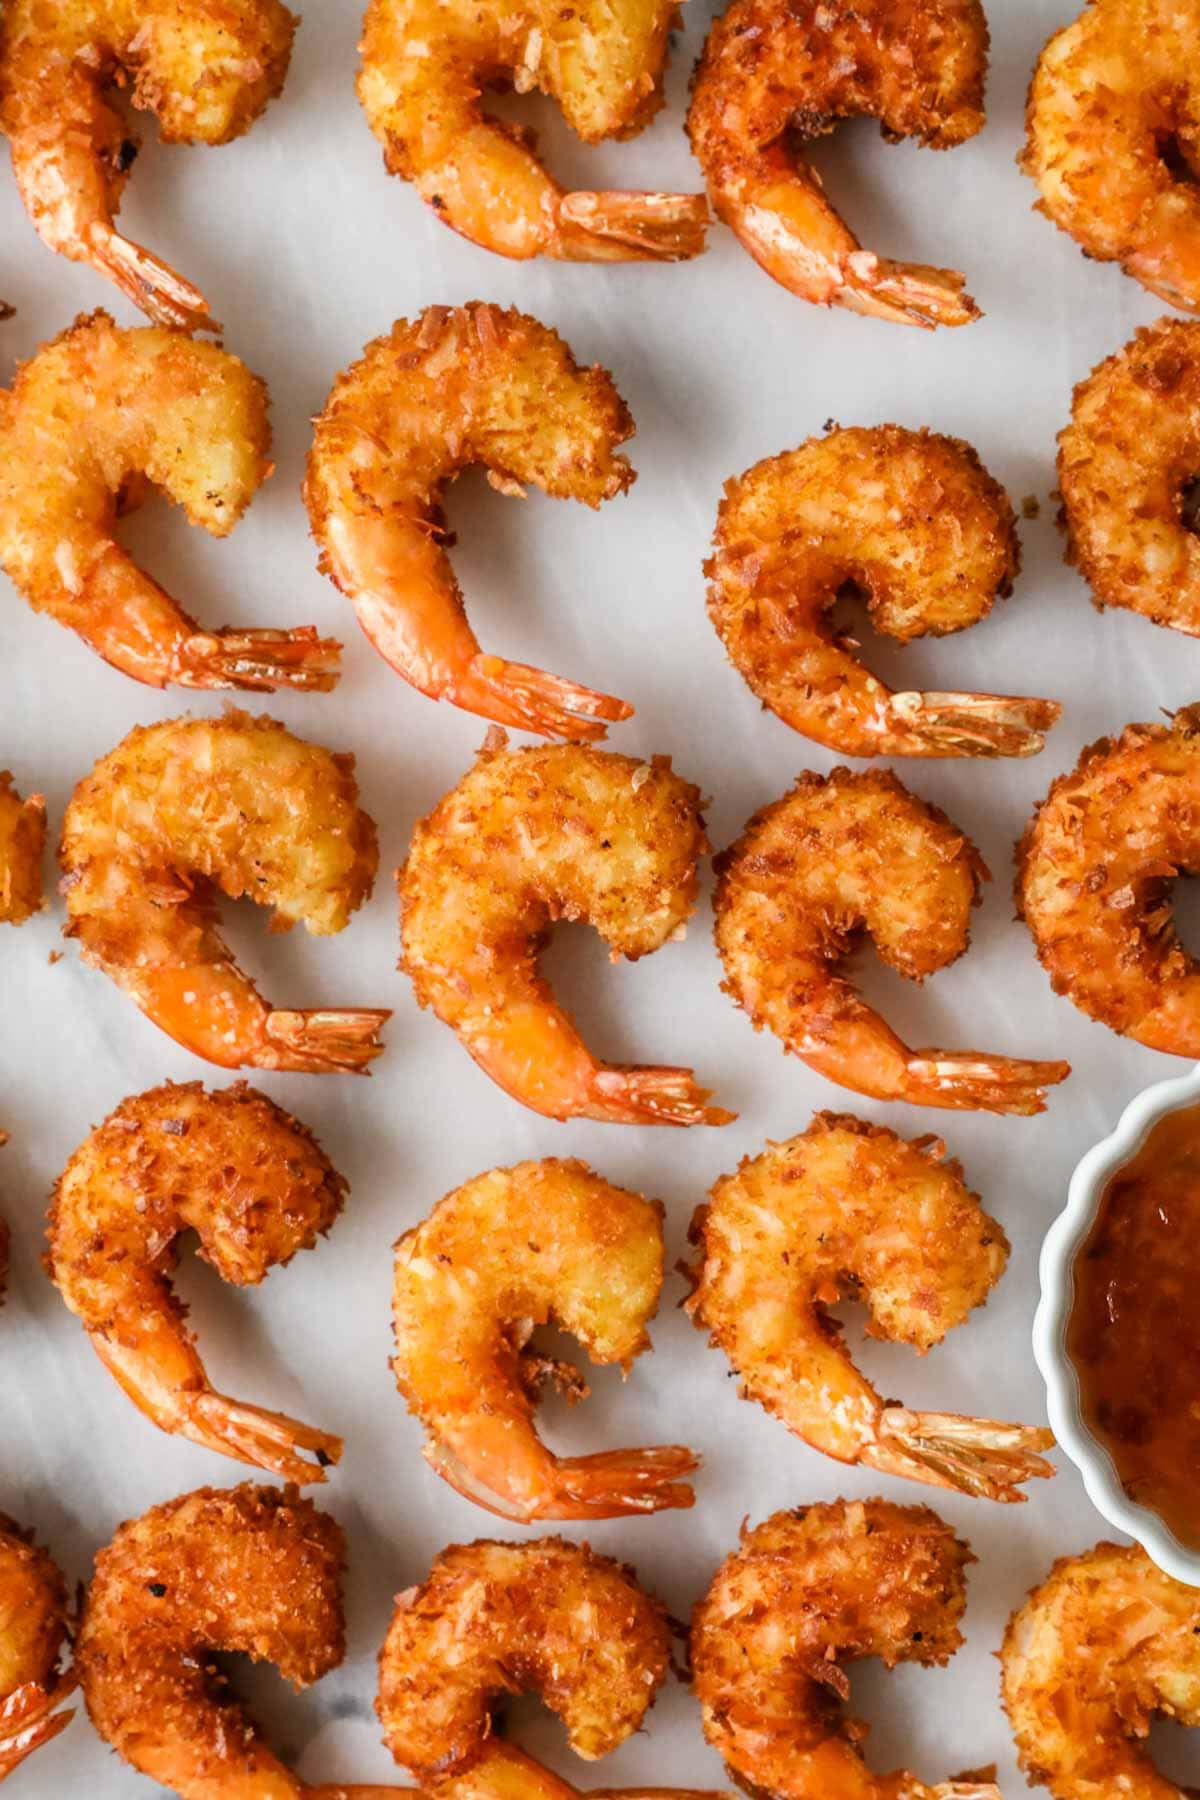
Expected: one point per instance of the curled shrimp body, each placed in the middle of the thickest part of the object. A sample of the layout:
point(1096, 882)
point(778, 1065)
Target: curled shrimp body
point(526, 838)
point(1111, 140)
point(22, 841)
point(33, 1630)
point(843, 1210)
point(1094, 876)
point(93, 413)
point(255, 1570)
point(424, 68)
point(255, 1187)
point(458, 386)
point(562, 1244)
point(911, 520)
point(1105, 1644)
point(205, 68)
point(841, 856)
point(190, 807)
point(805, 1592)
point(1126, 464)
point(777, 73)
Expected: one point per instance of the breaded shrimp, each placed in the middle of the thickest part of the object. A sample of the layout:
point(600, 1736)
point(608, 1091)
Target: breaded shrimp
point(774, 75)
point(33, 1630)
point(842, 856)
point(529, 837)
point(1104, 1645)
point(451, 388)
point(185, 809)
point(559, 1243)
point(495, 1619)
point(256, 1570)
point(205, 68)
point(1126, 469)
point(22, 841)
point(805, 1592)
point(850, 1210)
point(1111, 140)
point(253, 1183)
point(425, 65)
point(1094, 874)
point(913, 521)
point(97, 410)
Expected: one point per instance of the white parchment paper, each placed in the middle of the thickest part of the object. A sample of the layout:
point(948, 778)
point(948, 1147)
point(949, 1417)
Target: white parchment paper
point(307, 249)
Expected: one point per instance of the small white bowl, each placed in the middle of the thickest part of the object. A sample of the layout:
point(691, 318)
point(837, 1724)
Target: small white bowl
point(1063, 1241)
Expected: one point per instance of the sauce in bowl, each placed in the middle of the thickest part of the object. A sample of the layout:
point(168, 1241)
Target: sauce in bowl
point(1134, 1330)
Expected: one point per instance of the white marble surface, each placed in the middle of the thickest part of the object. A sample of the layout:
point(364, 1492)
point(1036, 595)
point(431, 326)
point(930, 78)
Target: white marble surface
point(307, 249)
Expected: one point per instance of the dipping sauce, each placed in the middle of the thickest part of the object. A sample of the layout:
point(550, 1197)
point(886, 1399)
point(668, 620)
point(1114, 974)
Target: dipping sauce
point(1134, 1330)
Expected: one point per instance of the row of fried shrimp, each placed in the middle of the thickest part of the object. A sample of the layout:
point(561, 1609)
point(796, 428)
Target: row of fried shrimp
point(1102, 1646)
point(1110, 138)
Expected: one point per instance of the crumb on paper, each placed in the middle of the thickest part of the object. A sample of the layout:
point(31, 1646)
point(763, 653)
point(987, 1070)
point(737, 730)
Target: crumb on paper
point(55, 956)
point(1031, 507)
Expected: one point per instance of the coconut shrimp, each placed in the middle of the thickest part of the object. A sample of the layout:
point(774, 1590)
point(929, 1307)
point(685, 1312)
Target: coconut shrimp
point(913, 521)
point(22, 841)
point(253, 1183)
point(776, 74)
point(1126, 470)
point(1111, 140)
point(529, 837)
point(95, 415)
point(1094, 875)
point(842, 856)
point(188, 808)
point(255, 1570)
point(205, 68)
point(421, 79)
point(1105, 1644)
point(454, 387)
point(33, 1631)
point(562, 1244)
point(804, 1593)
point(849, 1209)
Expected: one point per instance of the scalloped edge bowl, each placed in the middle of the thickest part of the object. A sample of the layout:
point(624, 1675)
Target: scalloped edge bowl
point(1059, 1248)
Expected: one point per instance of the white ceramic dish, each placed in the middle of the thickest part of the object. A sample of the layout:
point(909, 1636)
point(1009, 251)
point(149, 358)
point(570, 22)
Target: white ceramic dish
point(1062, 1243)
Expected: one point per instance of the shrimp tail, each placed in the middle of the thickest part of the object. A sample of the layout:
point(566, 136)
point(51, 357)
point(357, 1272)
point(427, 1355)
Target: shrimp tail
point(621, 226)
point(972, 1081)
point(152, 285)
point(324, 1042)
point(605, 1486)
point(984, 1457)
point(529, 699)
point(265, 1440)
point(29, 1719)
point(646, 1095)
point(905, 293)
point(948, 724)
point(259, 660)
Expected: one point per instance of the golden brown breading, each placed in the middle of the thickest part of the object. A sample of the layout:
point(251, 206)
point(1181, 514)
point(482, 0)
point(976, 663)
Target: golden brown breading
point(22, 842)
point(33, 1631)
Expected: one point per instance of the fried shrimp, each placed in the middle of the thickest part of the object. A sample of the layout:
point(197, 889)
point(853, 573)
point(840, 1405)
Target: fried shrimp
point(839, 857)
point(562, 1244)
point(22, 841)
point(495, 1619)
point(251, 1569)
point(1127, 467)
point(529, 837)
point(94, 414)
point(33, 1630)
point(804, 1593)
point(424, 68)
point(455, 387)
point(191, 807)
point(204, 68)
point(913, 521)
point(254, 1185)
point(1105, 1644)
point(1111, 140)
point(1094, 874)
point(776, 74)
point(847, 1210)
